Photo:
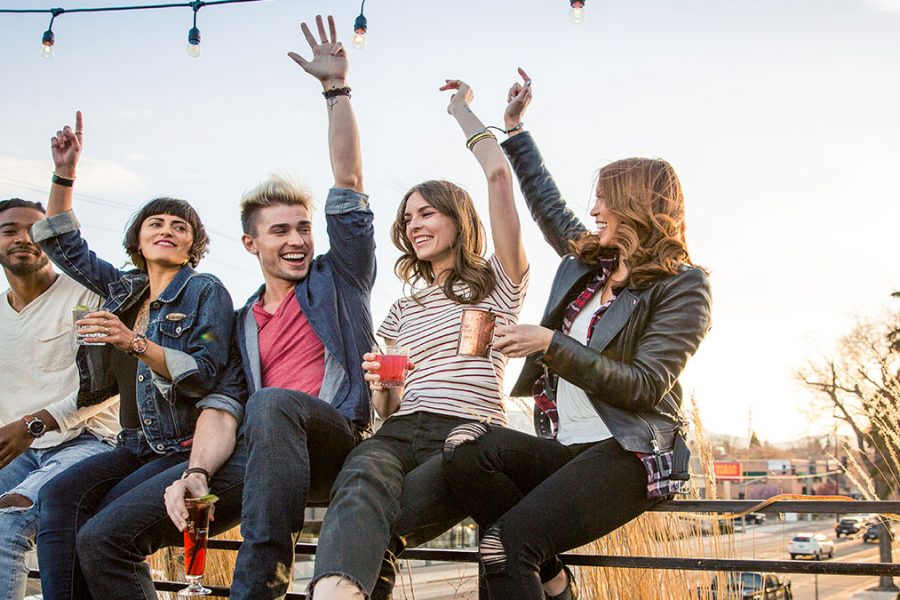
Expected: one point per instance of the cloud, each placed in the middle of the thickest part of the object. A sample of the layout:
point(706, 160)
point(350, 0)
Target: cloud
point(30, 178)
point(889, 5)
point(134, 112)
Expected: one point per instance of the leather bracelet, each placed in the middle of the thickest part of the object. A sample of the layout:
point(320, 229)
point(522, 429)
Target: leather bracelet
point(63, 181)
point(191, 470)
point(516, 128)
point(337, 91)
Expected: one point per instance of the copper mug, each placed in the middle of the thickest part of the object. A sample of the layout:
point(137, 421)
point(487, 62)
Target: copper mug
point(476, 332)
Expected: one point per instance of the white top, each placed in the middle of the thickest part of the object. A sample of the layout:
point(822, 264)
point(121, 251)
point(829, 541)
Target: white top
point(443, 382)
point(37, 354)
point(579, 423)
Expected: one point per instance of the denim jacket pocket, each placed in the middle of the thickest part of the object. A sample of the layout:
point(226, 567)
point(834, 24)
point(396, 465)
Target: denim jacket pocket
point(174, 328)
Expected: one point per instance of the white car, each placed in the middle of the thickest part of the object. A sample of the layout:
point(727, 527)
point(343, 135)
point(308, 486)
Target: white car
point(811, 544)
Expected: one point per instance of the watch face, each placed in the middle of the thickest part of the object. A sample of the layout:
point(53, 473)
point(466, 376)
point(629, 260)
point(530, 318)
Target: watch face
point(36, 427)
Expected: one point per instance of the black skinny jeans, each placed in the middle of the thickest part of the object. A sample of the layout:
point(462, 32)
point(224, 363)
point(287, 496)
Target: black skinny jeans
point(535, 498)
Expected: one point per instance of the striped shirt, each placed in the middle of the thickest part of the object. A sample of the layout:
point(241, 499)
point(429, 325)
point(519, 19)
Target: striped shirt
point(443, 382)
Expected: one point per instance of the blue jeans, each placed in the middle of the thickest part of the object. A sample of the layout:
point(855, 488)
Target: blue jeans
point(66, 503)
point(25, 476)
point(391, 485)
point(290, 450)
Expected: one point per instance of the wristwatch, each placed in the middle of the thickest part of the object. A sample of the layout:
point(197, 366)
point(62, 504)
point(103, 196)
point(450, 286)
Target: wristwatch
point(138, 345)
point(35, 427)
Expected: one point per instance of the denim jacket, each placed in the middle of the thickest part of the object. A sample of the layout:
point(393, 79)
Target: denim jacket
point(192, 319)
point(630, 367)
point(335, 298)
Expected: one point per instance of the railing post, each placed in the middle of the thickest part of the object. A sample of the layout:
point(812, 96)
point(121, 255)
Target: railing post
point(885, 537)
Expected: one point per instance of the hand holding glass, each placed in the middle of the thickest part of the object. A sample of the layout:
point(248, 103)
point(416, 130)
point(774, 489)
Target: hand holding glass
point(83, 339)
point(394, 362)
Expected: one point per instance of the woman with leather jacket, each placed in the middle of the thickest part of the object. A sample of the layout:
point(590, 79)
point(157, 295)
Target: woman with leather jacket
point(626, 310)
point(164, 332)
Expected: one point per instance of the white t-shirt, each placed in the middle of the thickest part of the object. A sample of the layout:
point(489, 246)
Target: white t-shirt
point(37, 354)
point(443, 382)
point(579, 422)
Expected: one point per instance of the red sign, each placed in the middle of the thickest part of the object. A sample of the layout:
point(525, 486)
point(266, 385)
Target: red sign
point(727, 471)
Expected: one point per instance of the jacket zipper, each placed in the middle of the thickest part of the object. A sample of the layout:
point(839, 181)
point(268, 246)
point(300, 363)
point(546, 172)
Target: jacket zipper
point(654, 443)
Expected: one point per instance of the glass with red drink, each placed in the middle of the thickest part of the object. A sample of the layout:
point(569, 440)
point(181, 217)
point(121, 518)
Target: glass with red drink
point(195, 535)
point(394, 362)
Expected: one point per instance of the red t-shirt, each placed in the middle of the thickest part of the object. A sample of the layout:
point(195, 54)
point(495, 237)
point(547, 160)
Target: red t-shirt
point(291, 355)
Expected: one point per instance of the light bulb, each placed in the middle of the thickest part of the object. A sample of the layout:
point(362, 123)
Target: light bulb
point(360, 26)
point(577, 13)
point(193, 47)
point(47, 44)
point(359, 39)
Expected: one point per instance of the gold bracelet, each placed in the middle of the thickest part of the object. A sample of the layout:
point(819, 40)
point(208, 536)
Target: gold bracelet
point(481, 135)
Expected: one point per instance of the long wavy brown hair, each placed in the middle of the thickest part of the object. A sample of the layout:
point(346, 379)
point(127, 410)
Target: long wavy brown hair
point(469, 265)
point(645, 195)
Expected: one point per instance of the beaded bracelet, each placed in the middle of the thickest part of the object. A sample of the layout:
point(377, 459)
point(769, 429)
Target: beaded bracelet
point(337, 91)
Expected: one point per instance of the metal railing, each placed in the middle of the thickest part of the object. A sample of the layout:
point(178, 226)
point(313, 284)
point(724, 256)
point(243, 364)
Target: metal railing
point(867, 569)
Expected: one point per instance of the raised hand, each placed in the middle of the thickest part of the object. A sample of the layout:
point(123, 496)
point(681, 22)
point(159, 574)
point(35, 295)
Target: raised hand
point(463, 96)
point(66, 146)
point(519, 97)
point(329, 62)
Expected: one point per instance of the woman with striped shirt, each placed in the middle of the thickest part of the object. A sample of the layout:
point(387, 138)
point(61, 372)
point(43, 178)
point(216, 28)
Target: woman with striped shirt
point(442, 242)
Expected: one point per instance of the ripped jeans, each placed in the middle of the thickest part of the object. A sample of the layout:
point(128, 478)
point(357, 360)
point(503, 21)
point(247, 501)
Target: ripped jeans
point(18, 526)
point(398, 467)
point(535, 498)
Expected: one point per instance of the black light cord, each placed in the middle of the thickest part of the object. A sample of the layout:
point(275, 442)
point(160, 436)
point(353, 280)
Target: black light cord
point(58, 11)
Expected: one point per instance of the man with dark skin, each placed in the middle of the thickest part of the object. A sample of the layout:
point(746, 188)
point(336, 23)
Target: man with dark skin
point(42, 431)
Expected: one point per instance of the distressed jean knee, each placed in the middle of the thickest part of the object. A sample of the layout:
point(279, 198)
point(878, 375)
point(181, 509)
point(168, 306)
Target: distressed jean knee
point(346, 580)
point(463, 434)
point(491, 553)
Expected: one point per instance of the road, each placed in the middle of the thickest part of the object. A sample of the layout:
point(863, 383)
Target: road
point(770, 541)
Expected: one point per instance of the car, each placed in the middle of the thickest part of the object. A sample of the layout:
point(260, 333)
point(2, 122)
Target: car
point(848, 526)
point(755, 518)
point(873, 532)
point(815, 545)
point(750, 586)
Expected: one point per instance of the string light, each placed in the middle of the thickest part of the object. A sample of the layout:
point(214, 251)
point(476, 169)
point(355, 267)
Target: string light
point(576, 12)
point(360, 26)
point(48, 39)
point(193, 47)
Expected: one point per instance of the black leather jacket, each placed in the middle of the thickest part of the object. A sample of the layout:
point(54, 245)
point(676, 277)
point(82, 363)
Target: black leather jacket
point(631, 365)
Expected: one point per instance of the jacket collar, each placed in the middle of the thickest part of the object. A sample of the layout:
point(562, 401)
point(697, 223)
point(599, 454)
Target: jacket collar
point(173, 290)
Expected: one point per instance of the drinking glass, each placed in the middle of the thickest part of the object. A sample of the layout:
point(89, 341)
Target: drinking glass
point(394, 362)
point(83, 339)
point(195, 535)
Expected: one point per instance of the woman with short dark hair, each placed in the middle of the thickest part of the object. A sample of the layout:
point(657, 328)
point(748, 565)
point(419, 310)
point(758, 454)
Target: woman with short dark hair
point(164, 332)
point(626, 311)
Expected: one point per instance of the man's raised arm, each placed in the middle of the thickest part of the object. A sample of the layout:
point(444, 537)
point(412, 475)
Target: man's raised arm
point(330, 66)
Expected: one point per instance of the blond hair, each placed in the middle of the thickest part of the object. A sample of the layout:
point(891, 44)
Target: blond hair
point(276, 189)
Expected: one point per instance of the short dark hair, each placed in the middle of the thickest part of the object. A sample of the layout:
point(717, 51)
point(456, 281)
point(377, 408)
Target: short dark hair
point(19, 203)
point(166, 206)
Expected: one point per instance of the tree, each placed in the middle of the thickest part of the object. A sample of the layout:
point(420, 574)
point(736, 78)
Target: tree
point(861, 383)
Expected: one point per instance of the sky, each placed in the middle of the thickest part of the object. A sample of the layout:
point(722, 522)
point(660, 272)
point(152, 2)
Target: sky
point(780, 117)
